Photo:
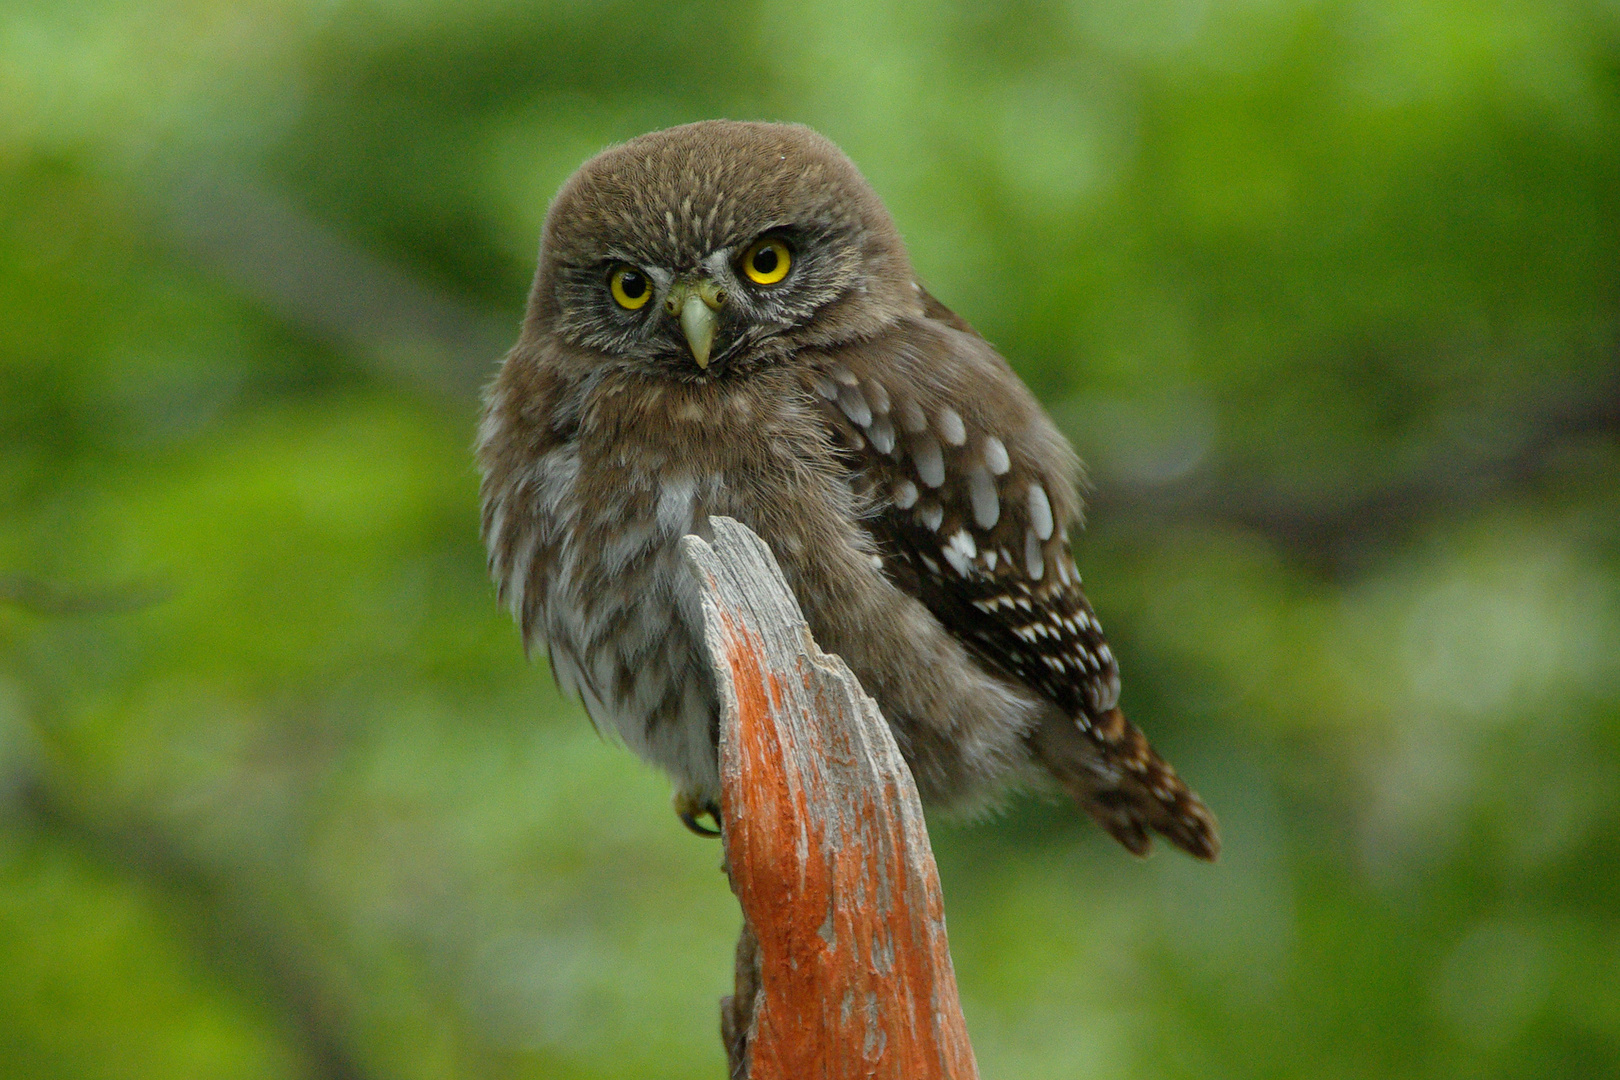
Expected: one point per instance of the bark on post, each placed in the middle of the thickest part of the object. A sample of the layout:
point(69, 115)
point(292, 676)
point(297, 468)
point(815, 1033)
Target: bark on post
point(843, 969)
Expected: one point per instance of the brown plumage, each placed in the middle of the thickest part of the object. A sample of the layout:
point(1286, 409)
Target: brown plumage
point(724, 321)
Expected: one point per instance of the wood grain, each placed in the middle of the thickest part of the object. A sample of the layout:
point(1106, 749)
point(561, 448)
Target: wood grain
point(848, 973)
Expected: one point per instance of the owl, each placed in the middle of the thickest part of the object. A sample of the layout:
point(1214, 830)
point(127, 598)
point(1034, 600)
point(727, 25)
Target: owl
point(724, 321)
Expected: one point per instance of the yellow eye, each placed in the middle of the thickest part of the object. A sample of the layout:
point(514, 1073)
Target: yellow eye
point(630, 287)
point(766, 262)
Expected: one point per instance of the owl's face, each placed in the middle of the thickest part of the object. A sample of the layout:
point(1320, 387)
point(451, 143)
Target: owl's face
point(715, 247)
point(628, 301)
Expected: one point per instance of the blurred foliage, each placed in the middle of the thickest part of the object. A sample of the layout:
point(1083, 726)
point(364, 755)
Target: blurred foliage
point(1327, 294)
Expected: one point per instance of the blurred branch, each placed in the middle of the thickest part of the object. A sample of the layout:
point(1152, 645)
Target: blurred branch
point(227, 930)
point(311, 275)
point(44, 598)
point(1337, 537)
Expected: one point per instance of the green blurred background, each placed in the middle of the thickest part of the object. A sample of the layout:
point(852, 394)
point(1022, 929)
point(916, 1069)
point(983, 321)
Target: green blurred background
point(1326, 293)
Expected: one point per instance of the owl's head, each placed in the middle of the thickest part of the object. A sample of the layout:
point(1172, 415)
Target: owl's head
point(716, 246)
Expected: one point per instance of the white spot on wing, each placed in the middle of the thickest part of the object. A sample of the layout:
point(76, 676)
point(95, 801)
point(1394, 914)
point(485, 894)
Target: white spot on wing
point(905, 494)
point(882, 434)
point(1040, 512)
point(930, 465)
point(982, 492)
point(931, 514)
point(951, 429)
point(877, 396)
point(1034, 562)
point(853, 403)
point(959, 551)
point(912, 419)
point(995, 456)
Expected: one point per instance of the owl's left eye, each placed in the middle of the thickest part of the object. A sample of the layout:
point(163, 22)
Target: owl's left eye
point(766, 261)
point(630, 287)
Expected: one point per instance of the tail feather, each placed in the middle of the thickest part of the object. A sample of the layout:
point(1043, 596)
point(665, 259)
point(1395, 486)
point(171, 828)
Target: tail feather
point(1108, 766)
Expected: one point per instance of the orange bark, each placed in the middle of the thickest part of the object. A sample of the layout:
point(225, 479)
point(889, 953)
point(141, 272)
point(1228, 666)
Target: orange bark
point(831, 864)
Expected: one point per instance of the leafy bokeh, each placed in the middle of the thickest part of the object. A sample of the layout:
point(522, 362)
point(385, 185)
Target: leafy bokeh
point(1326, 293)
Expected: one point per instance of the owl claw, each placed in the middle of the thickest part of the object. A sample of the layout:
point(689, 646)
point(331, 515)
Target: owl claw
point(691, 821)
point(691, 811)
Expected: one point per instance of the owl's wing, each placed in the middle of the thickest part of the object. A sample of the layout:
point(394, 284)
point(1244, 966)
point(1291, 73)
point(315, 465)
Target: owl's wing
point(970, 491)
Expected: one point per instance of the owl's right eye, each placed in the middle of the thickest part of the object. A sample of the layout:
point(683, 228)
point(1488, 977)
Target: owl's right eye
point(630, 287)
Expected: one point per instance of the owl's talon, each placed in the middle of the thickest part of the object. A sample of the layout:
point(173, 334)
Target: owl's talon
point(691, 821)
point(691, 812)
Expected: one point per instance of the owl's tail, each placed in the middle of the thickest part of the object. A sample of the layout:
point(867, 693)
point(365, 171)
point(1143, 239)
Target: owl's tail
point(1127, 788)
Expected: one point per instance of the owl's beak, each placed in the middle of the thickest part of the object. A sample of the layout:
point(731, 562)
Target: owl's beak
point(695, 304)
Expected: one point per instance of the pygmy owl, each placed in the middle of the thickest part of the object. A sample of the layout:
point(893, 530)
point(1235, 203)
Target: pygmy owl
point(724, 320)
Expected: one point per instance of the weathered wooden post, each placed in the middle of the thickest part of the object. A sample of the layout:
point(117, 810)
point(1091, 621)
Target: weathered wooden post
point(843, 969)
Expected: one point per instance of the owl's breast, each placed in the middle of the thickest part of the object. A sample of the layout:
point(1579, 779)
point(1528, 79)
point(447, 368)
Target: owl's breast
point(585, 543)
point(608, 609)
